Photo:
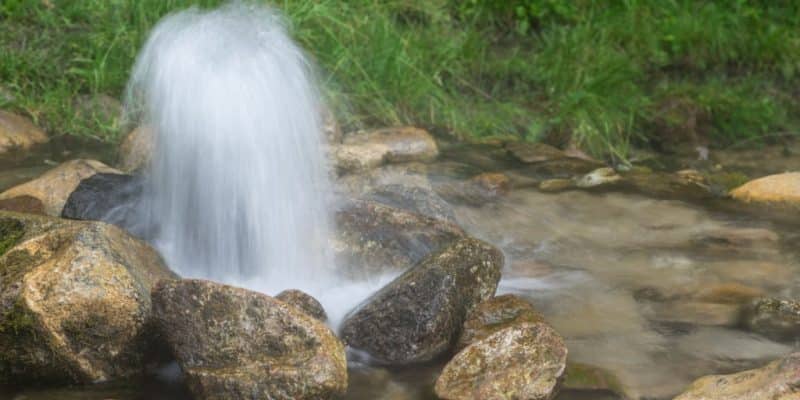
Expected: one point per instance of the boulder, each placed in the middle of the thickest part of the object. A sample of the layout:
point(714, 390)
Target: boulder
point(775, 191)
point(23, 204)
point(105, 197)
point(74, 300)
point(303, 301)
point(778, 380)
point(416, 199)
point(368, 149)
point(136, 150)
point(233, 343)
point(376, 237)
point(777, 319)
point(524, 361)
point(496, 314)
point(54, 186)
point(587, 377)
point(419, 315)
point(18, 132)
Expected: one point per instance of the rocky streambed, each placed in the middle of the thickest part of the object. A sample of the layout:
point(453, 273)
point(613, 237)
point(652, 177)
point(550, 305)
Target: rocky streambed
point(515, 271)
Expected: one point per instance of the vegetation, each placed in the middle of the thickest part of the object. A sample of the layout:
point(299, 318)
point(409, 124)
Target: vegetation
point(603, 74)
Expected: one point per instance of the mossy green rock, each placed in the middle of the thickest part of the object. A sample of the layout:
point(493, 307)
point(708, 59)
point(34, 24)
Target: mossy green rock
point(419, 315)
point(375, 237)
point(233, 343)
point(524, 361)
point(74, 300)
point(778, 380)
point(494, 315)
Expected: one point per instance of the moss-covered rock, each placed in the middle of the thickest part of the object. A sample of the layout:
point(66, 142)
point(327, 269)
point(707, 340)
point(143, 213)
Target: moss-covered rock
point(233, 343)
point(304, 302)
point(494, 315)
point(778, 380)
point(74, 300)
point(376, 237)
point(419, 315)
point(524, 361)
point(54, 186)
point(778, 319)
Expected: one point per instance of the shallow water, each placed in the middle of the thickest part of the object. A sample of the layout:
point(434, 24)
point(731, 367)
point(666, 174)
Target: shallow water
point(628, 281)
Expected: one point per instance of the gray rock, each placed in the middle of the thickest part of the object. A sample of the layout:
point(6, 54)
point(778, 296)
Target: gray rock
point(774, 318)
point(304, 301)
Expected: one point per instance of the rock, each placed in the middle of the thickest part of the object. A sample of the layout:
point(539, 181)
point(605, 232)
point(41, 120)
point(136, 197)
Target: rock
point(18, 132)
point(728, 293)
point(74, 300)
point(105, 197)
point(136, 150)
point(416, 199)
point(476, 191)
point(779, 191)
point(730, 240)
point(695, 313)
point(556, 185)
point(99, 108)
point(54, 186)
point(681, 185)
point(778, 380)
point(549, 160)
point(305, 302)
point(774, 318)
point(581, 376)
point(368, 149)
point(531, 153)
point(493, 183)
point(376, 237)
point(233, 343)
point(600, 177)
point(23, 204)
point(523, 361)
point(496, 314)
point(419, 315)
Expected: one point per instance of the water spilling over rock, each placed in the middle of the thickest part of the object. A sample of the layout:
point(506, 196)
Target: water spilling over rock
point(238, 185)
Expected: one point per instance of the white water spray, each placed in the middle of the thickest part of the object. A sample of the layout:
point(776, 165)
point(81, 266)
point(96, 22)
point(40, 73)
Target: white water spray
point(238, 188)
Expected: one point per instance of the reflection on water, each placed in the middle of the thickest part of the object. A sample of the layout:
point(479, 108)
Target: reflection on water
point(647, 289)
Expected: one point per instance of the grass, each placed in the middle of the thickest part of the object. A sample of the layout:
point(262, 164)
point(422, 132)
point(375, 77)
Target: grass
point(605, 75)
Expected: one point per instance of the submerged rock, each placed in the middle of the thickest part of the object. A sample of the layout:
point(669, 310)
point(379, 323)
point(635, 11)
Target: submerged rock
point(419, 315)
point(417, 199)
point(54, 186)
point(303, 301)
point(368, 149)
point(778, 380)
point(105, 197)
point(476, 191)
point(136, 150)
point(779, 191)
point(74, 300)
point(233, 343)
point(549, 160)
point(375, 237)
point(496, 314)
point(774, 318)
point(524, 361)
point(18, 132)
point(579, 376)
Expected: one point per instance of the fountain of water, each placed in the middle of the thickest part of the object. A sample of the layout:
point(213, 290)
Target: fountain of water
point(238, 188)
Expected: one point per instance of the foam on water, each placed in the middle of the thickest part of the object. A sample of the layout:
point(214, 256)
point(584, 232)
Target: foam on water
point(238, 190)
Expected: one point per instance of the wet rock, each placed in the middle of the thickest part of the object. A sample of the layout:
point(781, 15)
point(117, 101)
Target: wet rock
point(100, 108)
point(681, 185)
point(695, 313)
point(524, 361)
point(54, 186)
point(601, 177)
point(531, 153)
point(777, 319)
point(233, 343)
point(728, 293)
point(23, 204)
point(18, 133)
point(74, 300)
point(417, 199)
point(579, 376)
point(769, 275)
point(556, 185)
point(376, 237)
point(494, 315)
point(368, 149)
point(105, 197)
point(780, 191)
point(419, 315)
point(730, 240)
point(549, 160)
point(136, 150)
point(778, 380)
point(476, 191)
point(407, 175)
point(304, 301)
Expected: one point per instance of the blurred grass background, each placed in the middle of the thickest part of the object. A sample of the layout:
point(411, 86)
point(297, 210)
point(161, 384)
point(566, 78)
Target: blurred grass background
point(604, 75)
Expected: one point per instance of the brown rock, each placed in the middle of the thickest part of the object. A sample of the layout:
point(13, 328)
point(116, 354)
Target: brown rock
point(136, 150)
point(778, 380)
point(524, 361)
point(781, 191)
point(556, 185)
point(777, 319)
point(494, 315)
point(233, 343)
point(304, 301)
point(23, 204)
point(17, 132)
point(54, 186)
point(368, 149)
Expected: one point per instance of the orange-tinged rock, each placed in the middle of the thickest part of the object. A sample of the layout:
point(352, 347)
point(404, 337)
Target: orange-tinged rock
point(781, 190)
point(18, 132)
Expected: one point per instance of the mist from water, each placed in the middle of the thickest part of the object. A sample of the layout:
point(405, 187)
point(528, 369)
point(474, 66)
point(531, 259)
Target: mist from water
point(238, 190)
